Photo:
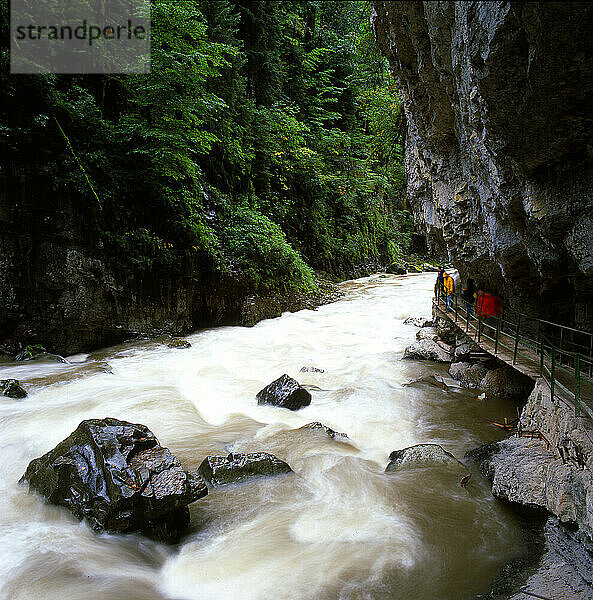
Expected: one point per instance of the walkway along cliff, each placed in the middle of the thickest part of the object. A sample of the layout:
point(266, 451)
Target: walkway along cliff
point(548, 461)
point(497, 98)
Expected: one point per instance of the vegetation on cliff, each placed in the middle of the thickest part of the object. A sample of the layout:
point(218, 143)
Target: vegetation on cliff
point(265, 142)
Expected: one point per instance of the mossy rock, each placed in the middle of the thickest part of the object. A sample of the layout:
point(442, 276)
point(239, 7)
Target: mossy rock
point(178, 343)
point(11, 388)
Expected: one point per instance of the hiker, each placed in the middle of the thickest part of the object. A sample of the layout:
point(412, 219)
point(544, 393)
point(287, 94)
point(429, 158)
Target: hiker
point(438, 286)
point(449, 287)
point(488, 306)
point(469, 295)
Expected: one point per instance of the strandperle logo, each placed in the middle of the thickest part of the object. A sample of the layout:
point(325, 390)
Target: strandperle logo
point(84, 31)
point(80, 36)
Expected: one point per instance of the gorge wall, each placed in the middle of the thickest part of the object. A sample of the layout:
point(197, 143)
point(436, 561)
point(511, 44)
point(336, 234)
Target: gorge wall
point(499, 150)
point(60, 287)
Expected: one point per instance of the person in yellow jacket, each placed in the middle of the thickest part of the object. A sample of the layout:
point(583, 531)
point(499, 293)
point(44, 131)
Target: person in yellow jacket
point(449, 287)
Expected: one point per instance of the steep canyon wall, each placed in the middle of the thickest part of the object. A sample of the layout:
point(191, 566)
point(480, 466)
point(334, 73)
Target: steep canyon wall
point(499, 148)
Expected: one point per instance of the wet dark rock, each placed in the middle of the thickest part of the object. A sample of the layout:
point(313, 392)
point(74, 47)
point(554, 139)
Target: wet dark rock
point(465, 347)
point(222, 470)
point(330, 432)
point(481, 455)
point(507, 383)
point(469, 375)
point(422, 455)
point(285, 392)
point(418, 321)
point(446, 330)
point(30, 352)
point(117, 477)
point(396, 269)
point(428, 350)
point(38, 352)
point(311, 370)
point(11, 388)
point(178, 343)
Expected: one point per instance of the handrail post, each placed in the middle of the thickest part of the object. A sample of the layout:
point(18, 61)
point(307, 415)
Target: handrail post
point(552, 372)
point(497, 334)
point(467, 322)
point(516, 339)
point(479, 327)
point(541, 360)
point(590, 355)
point(577, 385)
point(455, 308)
point(561, 344)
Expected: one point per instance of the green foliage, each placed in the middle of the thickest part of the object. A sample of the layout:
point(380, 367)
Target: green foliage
point(268, 134)
point(259, 247)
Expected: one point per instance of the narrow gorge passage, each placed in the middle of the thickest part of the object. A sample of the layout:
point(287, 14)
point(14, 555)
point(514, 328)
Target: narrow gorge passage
point(339, 527)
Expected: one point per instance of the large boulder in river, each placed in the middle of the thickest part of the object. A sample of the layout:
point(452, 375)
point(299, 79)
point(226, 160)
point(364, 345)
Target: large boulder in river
point(428, 350)
point(221, 470)
point(119, 478)
point(285, 392)
point(11, 388)
point(423, 455)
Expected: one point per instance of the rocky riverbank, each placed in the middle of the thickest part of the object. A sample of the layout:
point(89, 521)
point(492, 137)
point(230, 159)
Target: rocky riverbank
point(543, 471)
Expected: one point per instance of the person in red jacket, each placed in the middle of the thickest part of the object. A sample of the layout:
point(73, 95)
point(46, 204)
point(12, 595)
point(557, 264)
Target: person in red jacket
point(488, 305)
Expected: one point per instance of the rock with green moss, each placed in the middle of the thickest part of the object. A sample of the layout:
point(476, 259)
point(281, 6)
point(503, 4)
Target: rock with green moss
point(11, 388)
point(38, 352)
point(179, 343)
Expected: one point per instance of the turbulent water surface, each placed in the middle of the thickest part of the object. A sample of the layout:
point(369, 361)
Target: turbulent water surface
point(339, 527)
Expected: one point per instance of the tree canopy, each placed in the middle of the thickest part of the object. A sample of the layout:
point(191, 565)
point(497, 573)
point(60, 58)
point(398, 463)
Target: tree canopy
point(267, 139)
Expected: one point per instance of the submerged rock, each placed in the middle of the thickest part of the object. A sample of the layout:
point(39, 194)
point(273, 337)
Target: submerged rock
point(285, 392)
point(312, 370)
point(330, 432)
point(422, 455)
point(222, 470)
point(11, 388)
point(428, 350)
point(178, 343)
point(117, 477)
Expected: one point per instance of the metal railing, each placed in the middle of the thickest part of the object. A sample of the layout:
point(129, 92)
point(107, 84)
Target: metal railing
point(562, 355)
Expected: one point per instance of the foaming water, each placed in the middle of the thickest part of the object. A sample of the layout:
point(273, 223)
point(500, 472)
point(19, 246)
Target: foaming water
point(337, 528)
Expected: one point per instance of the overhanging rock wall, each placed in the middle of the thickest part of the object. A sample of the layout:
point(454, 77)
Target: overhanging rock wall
point(498, 100)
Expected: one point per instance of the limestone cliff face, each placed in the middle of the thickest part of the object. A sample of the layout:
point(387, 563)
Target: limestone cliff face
point(499, 147)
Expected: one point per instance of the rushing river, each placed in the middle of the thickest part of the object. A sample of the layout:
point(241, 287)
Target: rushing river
point(338, 528)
